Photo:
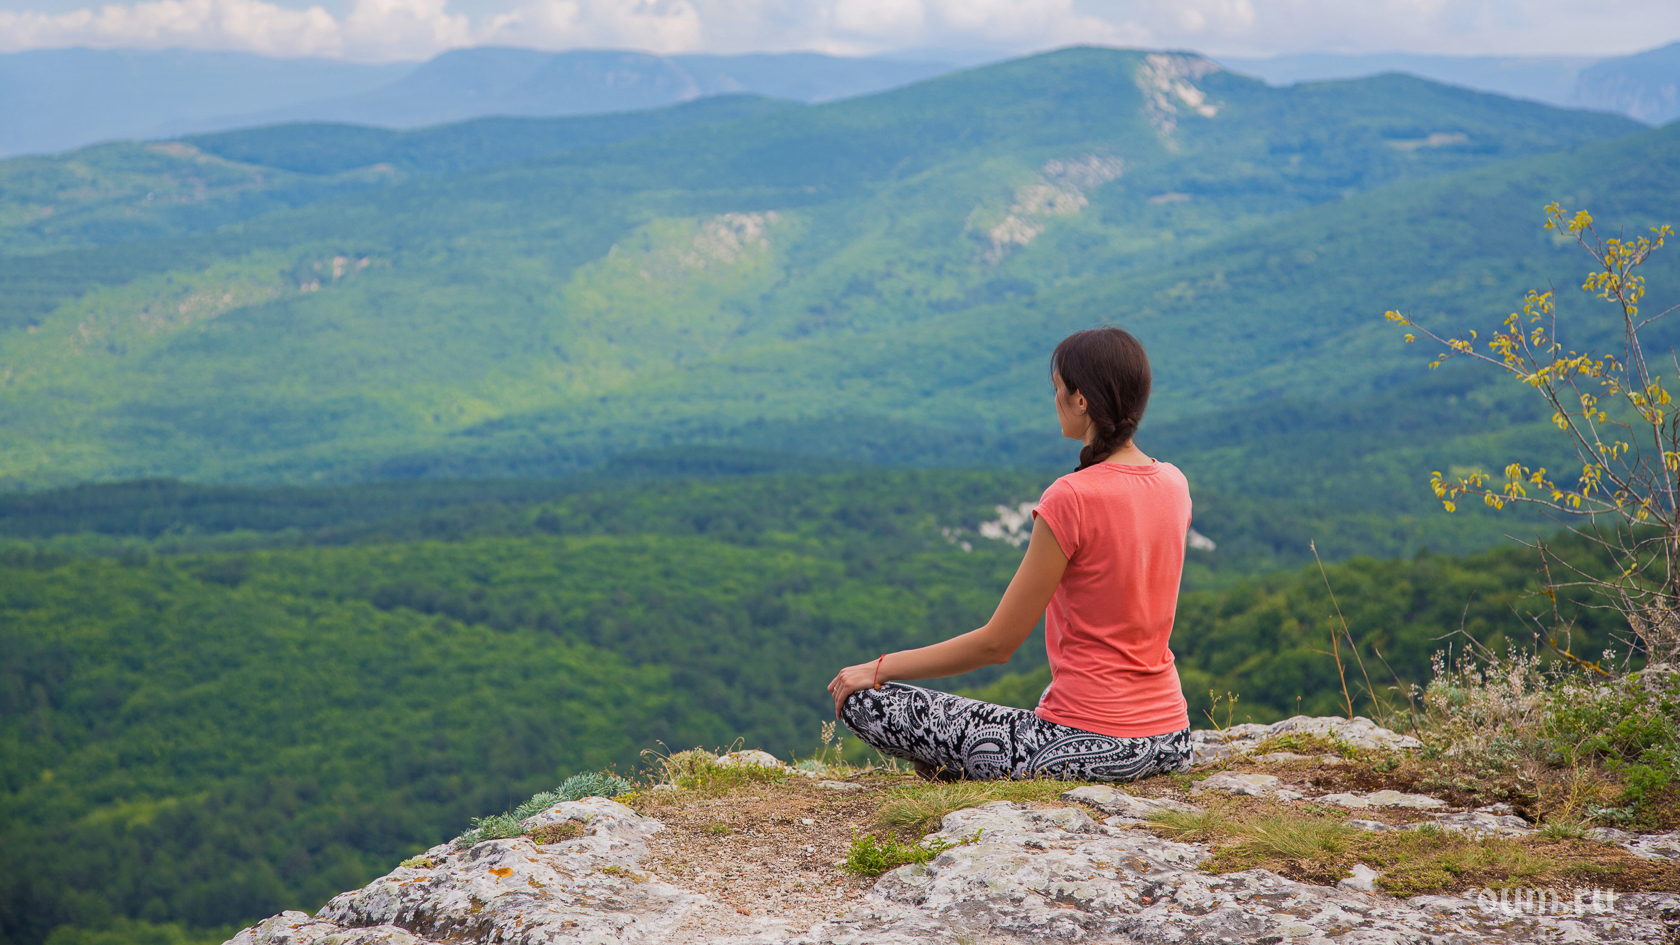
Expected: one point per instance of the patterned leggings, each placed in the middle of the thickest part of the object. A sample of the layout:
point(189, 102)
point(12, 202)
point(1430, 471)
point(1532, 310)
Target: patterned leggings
point(988, 742)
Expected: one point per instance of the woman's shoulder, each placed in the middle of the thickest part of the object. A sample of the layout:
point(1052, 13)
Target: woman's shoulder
point(1173, 472)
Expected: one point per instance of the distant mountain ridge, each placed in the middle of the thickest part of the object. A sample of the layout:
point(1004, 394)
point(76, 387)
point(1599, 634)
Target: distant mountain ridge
point(55, 100)
point(58, 99)
point(1645, 86)
point(489, 80)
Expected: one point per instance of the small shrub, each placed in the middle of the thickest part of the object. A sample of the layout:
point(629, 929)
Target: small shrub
point(590, 784)
point(1563, 830)
point(538, 803)
point(1306, 743)
point(1630, 726)
point(576, 787)
point(871, 856)
point(494, 827)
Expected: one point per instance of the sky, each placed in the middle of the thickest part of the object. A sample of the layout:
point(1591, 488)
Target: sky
point(384, 30)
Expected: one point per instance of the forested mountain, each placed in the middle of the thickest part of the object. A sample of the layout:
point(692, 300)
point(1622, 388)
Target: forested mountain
point(879, 278)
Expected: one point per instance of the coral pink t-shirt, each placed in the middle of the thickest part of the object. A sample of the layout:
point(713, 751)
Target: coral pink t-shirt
point(1123, 530)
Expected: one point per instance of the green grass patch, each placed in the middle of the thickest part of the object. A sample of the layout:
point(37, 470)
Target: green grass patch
point(871, 856)
point(1429, 860)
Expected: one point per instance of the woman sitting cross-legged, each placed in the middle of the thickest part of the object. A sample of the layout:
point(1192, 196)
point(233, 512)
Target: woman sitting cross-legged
point(1105, 557)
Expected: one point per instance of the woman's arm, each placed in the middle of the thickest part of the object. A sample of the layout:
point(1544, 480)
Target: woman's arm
point(1023, 603)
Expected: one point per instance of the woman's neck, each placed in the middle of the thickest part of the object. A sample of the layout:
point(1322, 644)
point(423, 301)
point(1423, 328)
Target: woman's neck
point(1128, 455)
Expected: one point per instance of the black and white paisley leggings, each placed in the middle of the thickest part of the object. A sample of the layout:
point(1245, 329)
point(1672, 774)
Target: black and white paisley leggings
point(988, 742)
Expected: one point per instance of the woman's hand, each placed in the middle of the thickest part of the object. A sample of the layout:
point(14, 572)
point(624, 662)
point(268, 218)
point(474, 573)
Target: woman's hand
point(851, 679)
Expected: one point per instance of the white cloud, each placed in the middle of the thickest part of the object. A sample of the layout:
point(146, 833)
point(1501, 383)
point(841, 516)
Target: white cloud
point(394, 28)
point(253, 25)
point(379, 29)
point(878, 18)
point(653, 25)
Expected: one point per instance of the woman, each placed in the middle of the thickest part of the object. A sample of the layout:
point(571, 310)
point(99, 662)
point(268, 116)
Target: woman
point(1106, 556)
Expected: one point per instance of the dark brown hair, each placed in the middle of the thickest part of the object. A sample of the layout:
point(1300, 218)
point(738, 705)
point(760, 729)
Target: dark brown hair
point(1110, 368)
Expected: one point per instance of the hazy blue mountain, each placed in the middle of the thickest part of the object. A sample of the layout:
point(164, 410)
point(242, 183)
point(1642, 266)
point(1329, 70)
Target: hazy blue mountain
point(325, 148)
point(1645, 86)
point(1549, 79)
point(491, 80)
point(55, 99)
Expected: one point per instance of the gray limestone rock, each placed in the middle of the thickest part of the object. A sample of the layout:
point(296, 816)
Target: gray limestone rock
point(1359, 732)
point(1278, 756)
point(1657, 846)
point(299, 928)
point(1252, 785)
point(1363, 880)
point(584, 890)
point(1381, 799)
point(1479, 824)
point(1114, 801)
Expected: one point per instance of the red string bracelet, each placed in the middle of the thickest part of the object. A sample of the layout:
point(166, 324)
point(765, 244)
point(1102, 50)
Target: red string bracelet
point(877, 683)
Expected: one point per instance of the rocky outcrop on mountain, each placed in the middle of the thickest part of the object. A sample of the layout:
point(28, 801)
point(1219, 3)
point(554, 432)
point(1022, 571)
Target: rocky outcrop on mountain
point(1012, 874)
point(1016, 875)
point(1359, 732)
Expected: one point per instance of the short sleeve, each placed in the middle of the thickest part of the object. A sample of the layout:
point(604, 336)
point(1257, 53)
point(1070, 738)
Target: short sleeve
point(1059, 507)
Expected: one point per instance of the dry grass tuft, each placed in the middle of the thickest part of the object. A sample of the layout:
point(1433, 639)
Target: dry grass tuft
point(1202, 826)
point(555, 833)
